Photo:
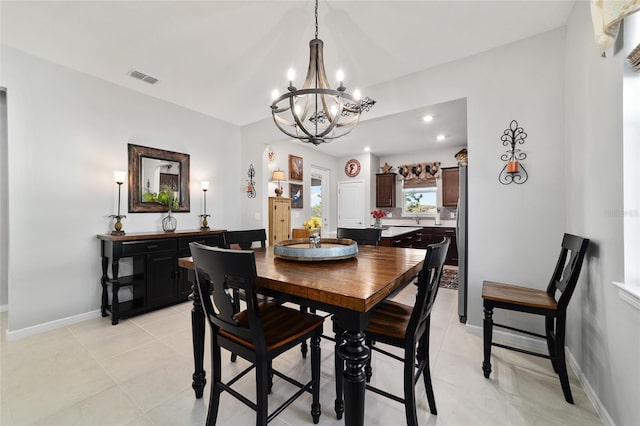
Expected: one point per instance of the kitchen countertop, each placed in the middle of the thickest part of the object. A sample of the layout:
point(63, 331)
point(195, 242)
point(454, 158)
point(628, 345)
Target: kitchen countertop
point(394, 231)
point(411, 223)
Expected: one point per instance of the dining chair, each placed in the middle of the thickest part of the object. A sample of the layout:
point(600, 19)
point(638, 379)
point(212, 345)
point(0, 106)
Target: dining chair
point(300, 233)
point(539, 302)
point(259, 334)
point(362, 236)
point(244, 239)
point(405, 327)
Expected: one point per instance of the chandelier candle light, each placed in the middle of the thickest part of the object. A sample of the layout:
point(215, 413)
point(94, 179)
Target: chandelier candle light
point(119, 178)
point(316, 113)
point(205, 186)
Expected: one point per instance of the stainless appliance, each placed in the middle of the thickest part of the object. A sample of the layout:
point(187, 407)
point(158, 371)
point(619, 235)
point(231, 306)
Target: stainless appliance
point(461, 240)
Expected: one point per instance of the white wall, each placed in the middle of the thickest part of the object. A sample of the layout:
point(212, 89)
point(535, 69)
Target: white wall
point(4, 205)
point(631, 151)
point(67, 133)
point(603, 330)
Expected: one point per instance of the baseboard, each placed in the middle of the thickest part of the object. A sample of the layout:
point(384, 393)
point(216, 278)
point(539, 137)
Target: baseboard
point(52, 325)
point(539, 345)
point(588, 389)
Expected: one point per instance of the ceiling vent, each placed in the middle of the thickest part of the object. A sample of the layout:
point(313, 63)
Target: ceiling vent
point(142, 76)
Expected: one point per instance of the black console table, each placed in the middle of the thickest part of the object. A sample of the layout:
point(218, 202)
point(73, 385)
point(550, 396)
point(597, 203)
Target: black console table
point(156, 280)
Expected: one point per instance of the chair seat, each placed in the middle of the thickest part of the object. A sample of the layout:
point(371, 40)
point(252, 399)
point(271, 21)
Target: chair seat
point(389, 319)
point(516, 295)
point(281, 325)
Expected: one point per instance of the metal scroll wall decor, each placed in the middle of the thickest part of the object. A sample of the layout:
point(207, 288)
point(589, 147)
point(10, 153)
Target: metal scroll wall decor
point(251, 185)
point(513, 171)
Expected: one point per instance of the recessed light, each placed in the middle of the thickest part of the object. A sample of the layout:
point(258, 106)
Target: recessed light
point(427, 118)
point(367, 149)
point(440, 137)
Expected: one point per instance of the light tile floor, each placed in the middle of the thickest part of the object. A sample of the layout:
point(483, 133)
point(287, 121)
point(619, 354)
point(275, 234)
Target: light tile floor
point(139, 373)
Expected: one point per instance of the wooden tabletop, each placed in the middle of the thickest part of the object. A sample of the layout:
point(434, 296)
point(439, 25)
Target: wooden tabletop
point(357, 284)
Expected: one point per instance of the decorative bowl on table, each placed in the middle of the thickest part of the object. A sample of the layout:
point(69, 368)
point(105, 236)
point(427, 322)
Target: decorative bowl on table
point(329, 249)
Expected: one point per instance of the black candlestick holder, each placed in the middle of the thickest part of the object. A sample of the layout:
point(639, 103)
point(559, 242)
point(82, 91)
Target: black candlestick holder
point(513, 170)
point(117, 227)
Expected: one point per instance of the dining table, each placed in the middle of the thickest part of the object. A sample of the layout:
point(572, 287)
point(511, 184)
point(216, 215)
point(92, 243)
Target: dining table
point(347, 288)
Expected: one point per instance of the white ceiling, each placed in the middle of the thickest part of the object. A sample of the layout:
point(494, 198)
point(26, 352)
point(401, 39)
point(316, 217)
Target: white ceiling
point(223, 58)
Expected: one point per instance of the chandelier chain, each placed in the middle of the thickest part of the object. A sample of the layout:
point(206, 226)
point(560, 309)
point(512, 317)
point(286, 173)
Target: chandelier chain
point(316, 18)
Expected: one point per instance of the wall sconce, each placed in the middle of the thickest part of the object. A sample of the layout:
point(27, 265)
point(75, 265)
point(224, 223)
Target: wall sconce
point(251, 185)
point(119, 178)
point(513, 171)
point(278, 176)
point(205, 186)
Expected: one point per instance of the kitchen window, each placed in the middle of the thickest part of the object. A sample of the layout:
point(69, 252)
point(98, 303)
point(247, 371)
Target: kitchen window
point(419, 201)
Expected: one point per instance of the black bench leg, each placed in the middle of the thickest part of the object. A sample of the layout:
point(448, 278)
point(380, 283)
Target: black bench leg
point(488, 333)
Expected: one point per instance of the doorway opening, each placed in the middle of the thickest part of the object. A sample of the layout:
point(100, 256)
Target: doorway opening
point(320, 195)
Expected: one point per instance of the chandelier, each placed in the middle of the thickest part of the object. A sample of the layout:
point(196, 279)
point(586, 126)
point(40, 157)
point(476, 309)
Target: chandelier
point(316, 113)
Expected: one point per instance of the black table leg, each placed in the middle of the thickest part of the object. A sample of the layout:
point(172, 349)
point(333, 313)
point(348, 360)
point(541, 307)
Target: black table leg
point(197, 331)
point(103, 282)
point(115, 288)
point(487, 333)
point(355, 354)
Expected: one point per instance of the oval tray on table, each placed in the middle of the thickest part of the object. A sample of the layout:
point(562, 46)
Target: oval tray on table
point(330, 249)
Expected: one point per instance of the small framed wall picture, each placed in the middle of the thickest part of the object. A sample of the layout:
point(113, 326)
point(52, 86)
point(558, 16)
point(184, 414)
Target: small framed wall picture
point(295, 192)
point(352, 168)
point(295, 168)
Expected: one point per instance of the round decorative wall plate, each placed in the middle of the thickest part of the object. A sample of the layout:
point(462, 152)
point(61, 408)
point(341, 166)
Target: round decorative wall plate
point(352, 168)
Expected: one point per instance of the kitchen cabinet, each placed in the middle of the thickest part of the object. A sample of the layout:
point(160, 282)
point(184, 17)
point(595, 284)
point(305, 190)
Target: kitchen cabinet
point(386, 190)
point(162, 275)
point(435, 234)
point(450, 186)
point(155, 280)
point(402, 239)
point(279, 219)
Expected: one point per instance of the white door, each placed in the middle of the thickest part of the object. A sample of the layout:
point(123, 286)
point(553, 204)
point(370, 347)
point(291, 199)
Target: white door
point(321, 194)
point(351, 204)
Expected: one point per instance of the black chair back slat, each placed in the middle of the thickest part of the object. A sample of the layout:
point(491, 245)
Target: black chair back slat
point(239, 273)
point(362, 236)
point(428, 284)
point(567, 270)
point(244, 238)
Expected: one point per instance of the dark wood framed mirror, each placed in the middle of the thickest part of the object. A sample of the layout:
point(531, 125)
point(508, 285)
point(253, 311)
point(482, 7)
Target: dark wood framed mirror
point(156, 177)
